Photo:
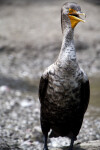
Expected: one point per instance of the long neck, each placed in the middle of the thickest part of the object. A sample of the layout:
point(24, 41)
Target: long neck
point(67, 53)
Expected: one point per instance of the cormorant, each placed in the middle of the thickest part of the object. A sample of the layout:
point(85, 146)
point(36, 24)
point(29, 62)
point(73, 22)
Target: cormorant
point(64, 87)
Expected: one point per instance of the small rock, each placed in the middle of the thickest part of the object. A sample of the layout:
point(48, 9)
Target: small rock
point(4, 89)
point(26, 103)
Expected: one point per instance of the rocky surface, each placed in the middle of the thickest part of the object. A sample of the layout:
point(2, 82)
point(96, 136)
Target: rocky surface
point(30, 40)
point(92, 145)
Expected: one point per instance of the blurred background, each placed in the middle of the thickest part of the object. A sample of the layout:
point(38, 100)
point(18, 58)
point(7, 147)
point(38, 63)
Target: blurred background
point(30, 40)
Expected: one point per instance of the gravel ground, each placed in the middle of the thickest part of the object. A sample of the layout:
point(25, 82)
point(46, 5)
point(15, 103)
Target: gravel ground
point(30, 40)
point(20, 126)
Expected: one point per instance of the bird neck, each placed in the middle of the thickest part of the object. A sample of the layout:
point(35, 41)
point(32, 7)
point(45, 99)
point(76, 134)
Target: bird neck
point(67, 53)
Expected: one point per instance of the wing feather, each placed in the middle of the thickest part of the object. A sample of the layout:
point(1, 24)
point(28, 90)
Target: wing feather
point(43, 88)
point(85, 95)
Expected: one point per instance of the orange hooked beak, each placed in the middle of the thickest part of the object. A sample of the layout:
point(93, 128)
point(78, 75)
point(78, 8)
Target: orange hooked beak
point(75, 17)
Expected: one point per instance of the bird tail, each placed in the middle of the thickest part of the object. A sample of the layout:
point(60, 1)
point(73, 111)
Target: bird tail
point(53, 134)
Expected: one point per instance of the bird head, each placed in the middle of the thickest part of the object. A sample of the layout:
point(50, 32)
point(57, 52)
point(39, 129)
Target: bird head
point(70, 14)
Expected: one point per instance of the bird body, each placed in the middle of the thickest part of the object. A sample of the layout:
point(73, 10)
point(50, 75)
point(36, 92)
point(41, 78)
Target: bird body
point(62, 105)
point(64, 89)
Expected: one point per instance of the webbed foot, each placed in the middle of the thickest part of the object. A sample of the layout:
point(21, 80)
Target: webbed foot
point(45, 142)
point(71, 144)
point(45, 148)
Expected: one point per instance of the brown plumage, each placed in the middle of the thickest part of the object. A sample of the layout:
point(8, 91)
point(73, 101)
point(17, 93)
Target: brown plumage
point(64, 87)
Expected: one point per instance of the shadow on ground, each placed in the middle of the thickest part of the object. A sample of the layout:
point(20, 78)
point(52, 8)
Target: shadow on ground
point(18, 84)
point(77, 147)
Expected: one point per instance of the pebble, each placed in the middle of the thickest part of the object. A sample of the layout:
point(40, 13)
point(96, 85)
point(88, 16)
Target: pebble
point(26, 103)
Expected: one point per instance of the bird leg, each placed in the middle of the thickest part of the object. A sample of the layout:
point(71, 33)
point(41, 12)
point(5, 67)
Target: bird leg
point(45, 142)
point(71, 144)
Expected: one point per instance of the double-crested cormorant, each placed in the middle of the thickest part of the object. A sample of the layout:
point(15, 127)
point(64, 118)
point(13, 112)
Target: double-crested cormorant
point(64, 87)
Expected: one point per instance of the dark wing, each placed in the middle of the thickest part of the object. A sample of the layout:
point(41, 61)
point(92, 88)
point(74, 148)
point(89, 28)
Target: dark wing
point(42, 94)
point(85, 96)
point(43, 88)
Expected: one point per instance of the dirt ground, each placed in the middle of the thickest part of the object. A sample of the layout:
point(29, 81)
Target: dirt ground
point(30, 40)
